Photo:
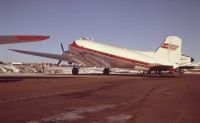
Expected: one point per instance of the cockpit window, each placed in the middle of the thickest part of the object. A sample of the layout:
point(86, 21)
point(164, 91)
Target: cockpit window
point(85, 38)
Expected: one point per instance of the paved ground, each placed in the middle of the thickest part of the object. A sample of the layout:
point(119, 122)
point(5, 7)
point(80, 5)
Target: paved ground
point(100, 99)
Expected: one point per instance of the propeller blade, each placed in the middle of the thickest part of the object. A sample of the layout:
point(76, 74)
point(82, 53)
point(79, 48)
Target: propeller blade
point(63, 51)
point(59, 62)
point(62, 47)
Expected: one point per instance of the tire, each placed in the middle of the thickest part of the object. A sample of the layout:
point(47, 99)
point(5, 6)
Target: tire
point(75, 71)
point(106, 71)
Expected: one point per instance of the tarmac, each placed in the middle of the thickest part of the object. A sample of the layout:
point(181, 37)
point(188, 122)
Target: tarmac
point(40, 98)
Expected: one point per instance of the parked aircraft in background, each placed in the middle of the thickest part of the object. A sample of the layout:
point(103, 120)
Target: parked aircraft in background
point(88, 52)
point(7, 39)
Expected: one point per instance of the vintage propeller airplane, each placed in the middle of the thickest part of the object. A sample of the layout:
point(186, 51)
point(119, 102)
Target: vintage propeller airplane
point(85, 51)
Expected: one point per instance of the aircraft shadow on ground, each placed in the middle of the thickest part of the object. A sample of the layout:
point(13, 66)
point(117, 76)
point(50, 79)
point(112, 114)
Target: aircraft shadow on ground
point(134, 75)
point(8, 79)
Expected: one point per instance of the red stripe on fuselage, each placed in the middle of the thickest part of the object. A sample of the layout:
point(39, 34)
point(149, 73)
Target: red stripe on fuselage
point(74, 45)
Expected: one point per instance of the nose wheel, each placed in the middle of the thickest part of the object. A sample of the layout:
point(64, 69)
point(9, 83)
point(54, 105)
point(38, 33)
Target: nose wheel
point(106, 71)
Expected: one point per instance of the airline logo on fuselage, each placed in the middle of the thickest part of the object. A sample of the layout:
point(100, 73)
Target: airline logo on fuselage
point(169, 46)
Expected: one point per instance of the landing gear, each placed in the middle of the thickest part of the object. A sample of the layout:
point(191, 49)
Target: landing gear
point(180, 71)
point(75, 71)
point(150, 73)
point(144, 73)
point(106, 71)
point(158, 72)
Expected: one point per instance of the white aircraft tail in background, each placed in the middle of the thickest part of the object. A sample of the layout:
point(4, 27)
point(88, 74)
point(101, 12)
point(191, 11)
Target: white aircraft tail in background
point(90, 53)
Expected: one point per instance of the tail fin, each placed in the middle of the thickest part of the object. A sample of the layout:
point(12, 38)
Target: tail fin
point(170, 50)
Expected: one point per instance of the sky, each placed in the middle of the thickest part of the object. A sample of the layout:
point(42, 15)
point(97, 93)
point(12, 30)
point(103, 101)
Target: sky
point(133, 24)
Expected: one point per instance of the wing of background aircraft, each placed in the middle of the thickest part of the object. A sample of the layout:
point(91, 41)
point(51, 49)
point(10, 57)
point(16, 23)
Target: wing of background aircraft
point(7, 39)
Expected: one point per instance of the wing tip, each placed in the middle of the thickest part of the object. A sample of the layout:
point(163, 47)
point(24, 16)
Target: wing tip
point(12, 50)
point(7, 39)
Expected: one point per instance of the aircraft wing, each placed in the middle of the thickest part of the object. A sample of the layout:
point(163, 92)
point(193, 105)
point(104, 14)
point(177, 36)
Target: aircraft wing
point(7, 39)
point(46, 55)
point(80, 60)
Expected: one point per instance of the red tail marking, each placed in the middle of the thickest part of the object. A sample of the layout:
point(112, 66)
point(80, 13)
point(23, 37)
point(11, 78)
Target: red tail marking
point(169, 46)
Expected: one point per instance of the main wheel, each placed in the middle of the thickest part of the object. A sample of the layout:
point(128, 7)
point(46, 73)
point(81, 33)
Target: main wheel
point(75, 71)
point(106, 71)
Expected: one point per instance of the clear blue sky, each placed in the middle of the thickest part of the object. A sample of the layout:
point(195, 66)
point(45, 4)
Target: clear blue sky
point(134, 24)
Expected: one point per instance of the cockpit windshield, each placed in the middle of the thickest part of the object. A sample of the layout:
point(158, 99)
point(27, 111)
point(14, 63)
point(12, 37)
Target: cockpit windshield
point(85, 38)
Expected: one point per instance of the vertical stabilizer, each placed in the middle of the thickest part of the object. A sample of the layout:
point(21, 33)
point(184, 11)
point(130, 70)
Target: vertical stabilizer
point(170, 50)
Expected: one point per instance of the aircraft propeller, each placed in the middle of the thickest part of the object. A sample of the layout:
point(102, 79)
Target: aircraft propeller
point(63, 52)
point(62, 47)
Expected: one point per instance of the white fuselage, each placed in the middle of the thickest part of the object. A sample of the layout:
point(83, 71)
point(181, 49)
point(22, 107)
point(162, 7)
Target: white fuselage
point(97, 54)
point(83, 51)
